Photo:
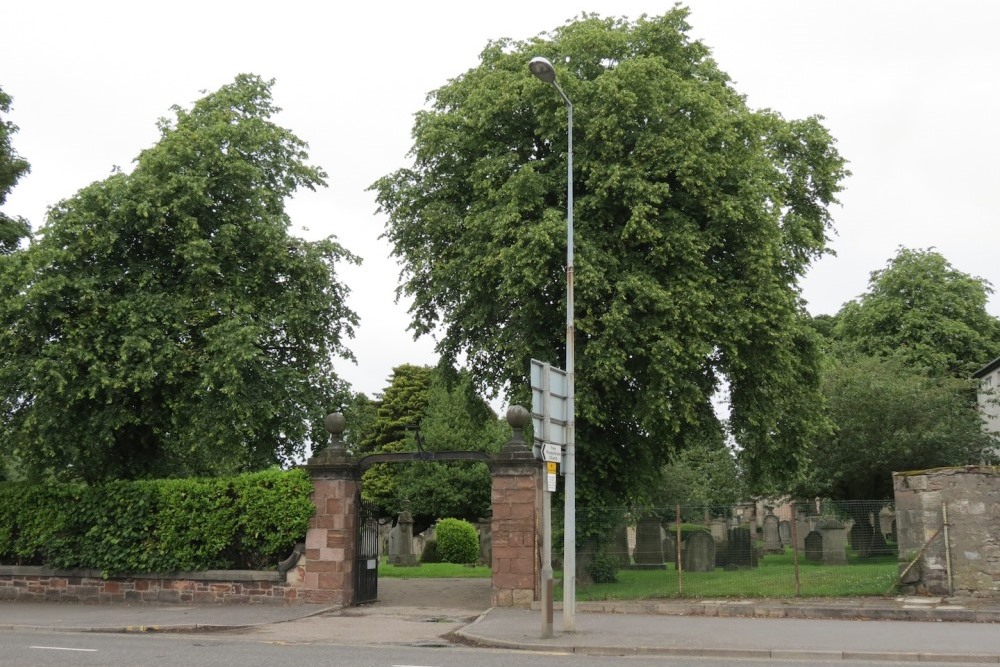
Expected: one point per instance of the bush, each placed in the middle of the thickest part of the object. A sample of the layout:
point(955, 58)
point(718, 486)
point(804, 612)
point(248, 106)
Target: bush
point(457, 541)
point(251, 521)
point(604, 568)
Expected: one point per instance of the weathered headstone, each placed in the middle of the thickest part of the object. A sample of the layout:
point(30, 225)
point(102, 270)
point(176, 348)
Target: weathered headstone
point(742, 552)
point(885, 518)
point(699, 552)
point(719, 529)
point(772, 540)
point(814, 546)
point(486, 540)
point(392, 544)
point(802, 529)
point(405, 556)
point(834, 541)
point(861, 536)
point(785, 532)
point(669, 548)
point(619, 545)
point(648, 543)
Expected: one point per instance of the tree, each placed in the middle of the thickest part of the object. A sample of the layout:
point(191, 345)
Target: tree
point(703, 475)
point(441, 408)
point(889, 417)
point(166, 322)
point(695, 217)
point(921, 309)
point(12, 168)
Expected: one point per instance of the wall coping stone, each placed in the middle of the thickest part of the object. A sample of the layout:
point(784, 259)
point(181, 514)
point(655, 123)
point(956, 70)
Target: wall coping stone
point(203, 575)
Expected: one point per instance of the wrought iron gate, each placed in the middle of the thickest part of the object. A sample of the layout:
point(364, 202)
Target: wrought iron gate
point(366, 561)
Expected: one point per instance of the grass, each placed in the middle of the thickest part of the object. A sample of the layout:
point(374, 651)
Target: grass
point(774, 577)
point(434, 571)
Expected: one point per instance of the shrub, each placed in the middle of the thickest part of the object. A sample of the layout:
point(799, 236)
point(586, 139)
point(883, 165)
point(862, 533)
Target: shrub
point(457, 541)
point(604, 568)
point(251, 521)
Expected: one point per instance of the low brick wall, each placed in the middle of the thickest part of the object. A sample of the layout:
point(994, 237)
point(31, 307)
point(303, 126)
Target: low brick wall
point(35, 584)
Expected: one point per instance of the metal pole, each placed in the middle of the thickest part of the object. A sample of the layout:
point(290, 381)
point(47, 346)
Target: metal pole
point(543, 69)
point(569, 513)
point(546, 573)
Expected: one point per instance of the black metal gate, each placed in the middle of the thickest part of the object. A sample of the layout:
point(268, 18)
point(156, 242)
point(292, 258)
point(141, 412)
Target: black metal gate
point(366, 562)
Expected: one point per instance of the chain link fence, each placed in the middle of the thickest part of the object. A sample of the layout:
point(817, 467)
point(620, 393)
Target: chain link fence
point(759, 549)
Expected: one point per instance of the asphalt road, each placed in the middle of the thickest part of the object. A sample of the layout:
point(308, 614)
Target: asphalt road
point(51, 649)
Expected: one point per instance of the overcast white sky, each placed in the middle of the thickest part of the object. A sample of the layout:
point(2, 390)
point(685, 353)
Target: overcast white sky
point(908, 87)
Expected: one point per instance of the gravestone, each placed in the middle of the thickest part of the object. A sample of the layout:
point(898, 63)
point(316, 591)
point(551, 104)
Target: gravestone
point(485, 540)
point(813, 544)
point(834, 541)
point(885, 518)
point(648, 543)
point(699, 552)
point(719, 529)
point(861, 537)
point(802, 529)
point(619, 545)
point(404, 553)
point(772, 540)
point(785, 532)
point(742, 552)
point(392, 544)
point(669, 548)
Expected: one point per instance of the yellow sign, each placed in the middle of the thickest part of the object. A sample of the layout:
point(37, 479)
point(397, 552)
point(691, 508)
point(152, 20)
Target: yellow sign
point(551, 467)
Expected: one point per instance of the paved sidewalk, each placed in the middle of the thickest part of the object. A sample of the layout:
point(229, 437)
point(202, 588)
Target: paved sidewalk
point(430, 612)
point(763, 637)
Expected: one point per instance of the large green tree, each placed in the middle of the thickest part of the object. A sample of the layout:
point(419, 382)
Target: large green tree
point(926, 312)
point(12, 168)
point(695, 217)
point(889, 417)
point(441, 408)
point(166, 322)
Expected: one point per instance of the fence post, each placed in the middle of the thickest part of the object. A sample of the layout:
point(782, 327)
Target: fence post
point(795, 548)
point(680, 569)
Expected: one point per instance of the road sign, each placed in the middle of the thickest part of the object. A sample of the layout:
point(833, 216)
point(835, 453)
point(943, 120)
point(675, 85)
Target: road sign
point(552, 453)
point(550, 476)
point(549, 405)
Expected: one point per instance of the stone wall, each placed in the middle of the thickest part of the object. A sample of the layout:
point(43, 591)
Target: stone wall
point(36, 584)
point(970, 496)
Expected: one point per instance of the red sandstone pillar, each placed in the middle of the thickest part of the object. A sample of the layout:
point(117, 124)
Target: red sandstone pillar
point(517, 511)
point(331, 540)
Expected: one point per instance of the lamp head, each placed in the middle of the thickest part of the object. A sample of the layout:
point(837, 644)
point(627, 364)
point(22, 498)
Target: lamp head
point(543, 69)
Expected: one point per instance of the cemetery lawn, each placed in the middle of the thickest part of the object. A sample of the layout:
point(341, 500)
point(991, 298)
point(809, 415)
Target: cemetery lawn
point(434, 570)
point(774, 577)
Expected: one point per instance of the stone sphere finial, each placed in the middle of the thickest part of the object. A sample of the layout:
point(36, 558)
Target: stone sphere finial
point(518, 417)
point(335, 424)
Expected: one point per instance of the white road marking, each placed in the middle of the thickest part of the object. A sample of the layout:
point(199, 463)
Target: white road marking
point(63, 648)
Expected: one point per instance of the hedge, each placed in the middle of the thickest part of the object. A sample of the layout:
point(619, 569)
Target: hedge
point(251, 521)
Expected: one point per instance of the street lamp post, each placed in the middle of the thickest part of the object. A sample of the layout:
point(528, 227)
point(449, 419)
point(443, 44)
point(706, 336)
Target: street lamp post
point(543, 69)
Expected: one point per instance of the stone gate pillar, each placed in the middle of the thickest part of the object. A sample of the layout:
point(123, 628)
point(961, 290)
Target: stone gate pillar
point(516, 525)
point(331, 540)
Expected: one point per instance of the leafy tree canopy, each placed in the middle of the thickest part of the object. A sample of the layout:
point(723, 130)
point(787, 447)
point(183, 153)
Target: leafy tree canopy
point(889, 417)
point(926, 312)
point(166, 322)
point(450, 417)
point(695, 217)
point(12, 168)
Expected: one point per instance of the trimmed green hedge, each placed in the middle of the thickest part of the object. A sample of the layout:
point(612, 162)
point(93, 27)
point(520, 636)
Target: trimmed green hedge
point(457, 541)
point(247, 522)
